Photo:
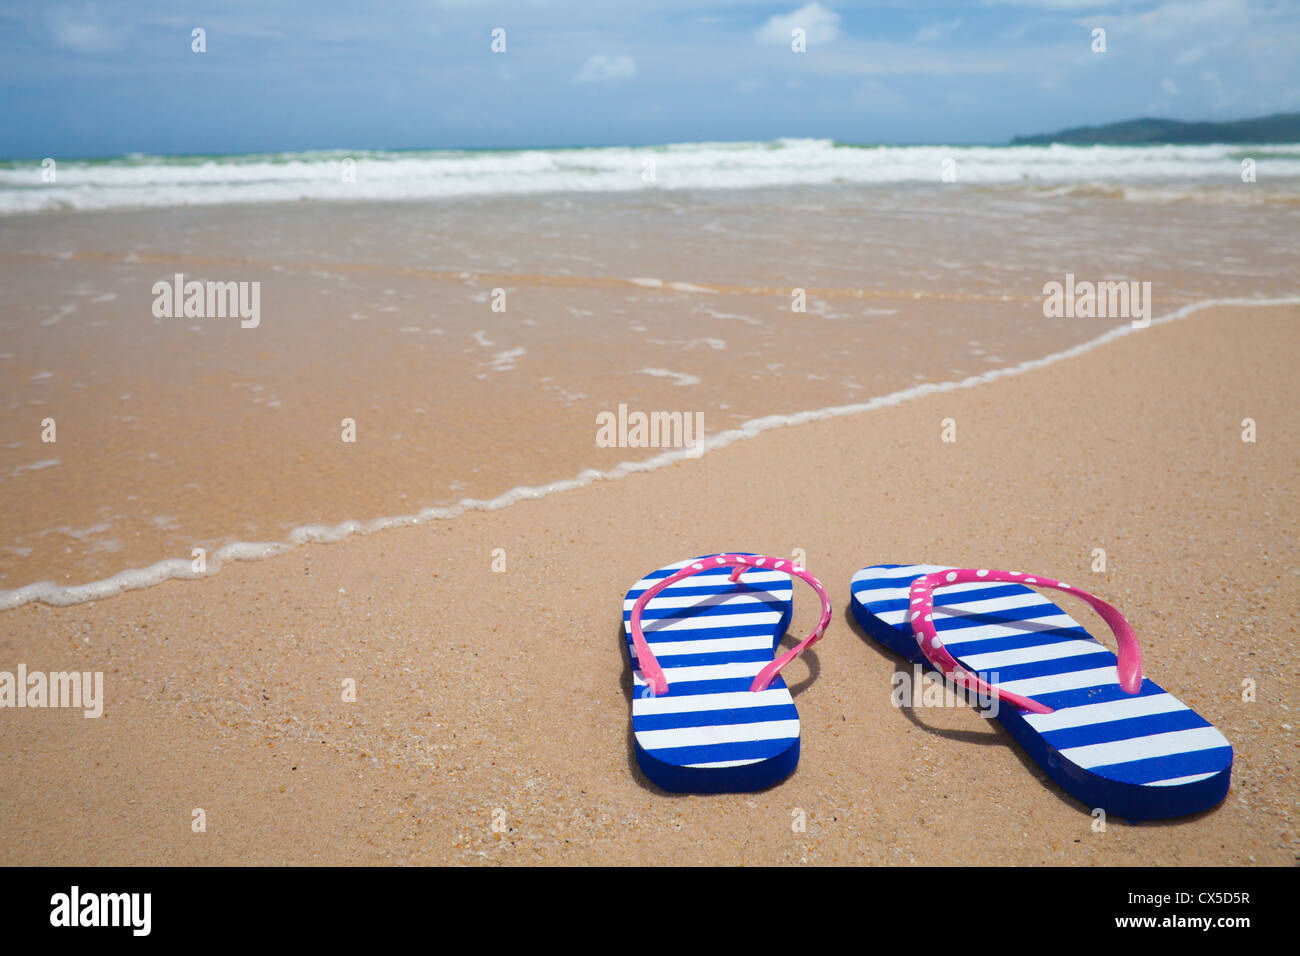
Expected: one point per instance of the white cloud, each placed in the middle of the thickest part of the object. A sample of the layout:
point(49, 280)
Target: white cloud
point(82, 31)
point(938, 30)
point(600, 68)
point(819, 24)
point(1184, 17)
point(1053, 4)
point(877, 58)
point(1169, 86)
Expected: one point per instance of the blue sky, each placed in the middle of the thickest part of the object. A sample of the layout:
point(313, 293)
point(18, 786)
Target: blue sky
point(105, 78)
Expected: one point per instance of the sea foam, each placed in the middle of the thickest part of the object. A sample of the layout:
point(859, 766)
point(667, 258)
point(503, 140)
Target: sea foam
point(172, 568)
point(160, 181)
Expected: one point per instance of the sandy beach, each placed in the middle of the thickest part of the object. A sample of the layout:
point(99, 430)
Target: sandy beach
point(487, 696)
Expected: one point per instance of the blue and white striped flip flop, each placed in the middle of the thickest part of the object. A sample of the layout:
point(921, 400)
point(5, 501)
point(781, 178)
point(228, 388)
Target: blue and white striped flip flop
point(1096, 726)
point(710, 712)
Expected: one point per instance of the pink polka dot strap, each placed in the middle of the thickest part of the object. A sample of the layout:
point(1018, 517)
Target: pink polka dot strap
point(921, 615)
point(650, 669)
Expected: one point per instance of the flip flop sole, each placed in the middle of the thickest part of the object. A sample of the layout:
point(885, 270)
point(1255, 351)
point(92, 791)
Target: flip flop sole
point(1143, 756)
point(710, 733)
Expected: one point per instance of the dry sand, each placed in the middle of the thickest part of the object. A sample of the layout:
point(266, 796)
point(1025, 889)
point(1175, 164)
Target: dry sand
point(480, 691)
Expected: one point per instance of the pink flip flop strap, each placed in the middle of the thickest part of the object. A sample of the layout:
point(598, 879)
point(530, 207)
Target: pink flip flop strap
point(650, 669)
point(921, 615)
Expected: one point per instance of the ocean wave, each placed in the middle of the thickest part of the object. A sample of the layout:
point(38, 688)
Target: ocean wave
point(162, 181)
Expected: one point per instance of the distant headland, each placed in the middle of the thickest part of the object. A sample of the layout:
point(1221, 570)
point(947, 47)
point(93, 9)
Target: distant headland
point(1277, 128)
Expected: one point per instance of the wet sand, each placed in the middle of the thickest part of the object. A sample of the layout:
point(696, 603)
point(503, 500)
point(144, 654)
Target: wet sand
point(481, 691)
point(183, 433)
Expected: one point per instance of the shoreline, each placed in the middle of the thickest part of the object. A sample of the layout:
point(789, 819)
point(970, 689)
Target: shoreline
point(480, 691)
point(181, 568)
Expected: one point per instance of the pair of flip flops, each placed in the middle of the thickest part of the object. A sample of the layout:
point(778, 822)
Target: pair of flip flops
point(711, 712)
